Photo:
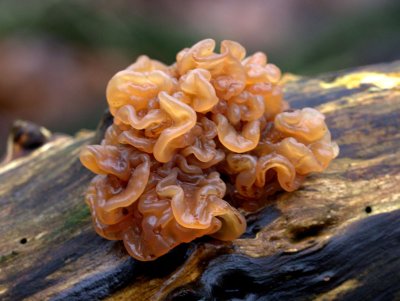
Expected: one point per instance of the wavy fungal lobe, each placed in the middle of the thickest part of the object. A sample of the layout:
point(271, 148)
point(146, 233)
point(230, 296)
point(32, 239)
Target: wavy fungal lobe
point(178, 128)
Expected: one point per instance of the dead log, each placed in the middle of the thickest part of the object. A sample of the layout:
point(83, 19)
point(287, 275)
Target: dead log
point(338, 237)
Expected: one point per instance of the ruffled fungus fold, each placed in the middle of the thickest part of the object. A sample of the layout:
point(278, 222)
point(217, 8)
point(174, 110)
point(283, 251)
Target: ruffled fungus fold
point(178, 128)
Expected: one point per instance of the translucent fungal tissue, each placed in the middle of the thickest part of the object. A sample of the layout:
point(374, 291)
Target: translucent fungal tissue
point(178, 128)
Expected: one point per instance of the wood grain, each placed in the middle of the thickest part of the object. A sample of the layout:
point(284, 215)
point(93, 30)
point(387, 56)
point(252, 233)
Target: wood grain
point(338, 237)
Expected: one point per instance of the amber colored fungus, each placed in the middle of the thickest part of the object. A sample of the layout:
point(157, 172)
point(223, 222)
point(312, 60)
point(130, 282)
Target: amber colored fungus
point(178, 128)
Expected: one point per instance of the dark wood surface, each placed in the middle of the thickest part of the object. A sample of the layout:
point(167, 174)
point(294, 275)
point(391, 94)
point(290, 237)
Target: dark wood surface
point(337, 238)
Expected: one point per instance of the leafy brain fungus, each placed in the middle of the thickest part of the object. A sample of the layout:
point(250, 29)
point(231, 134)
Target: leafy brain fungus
point(178, 128)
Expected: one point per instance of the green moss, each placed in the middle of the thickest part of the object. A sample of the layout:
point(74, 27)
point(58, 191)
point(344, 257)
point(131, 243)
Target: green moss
point(73, 220)
point(4, 258)
point(77, 217)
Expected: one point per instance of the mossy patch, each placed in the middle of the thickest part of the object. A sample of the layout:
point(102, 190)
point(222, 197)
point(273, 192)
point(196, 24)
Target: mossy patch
point(80, 215)
point(4, 258)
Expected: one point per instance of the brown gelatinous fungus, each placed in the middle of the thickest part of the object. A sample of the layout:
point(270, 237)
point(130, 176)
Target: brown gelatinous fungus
point(24, 138)
point(178, 128)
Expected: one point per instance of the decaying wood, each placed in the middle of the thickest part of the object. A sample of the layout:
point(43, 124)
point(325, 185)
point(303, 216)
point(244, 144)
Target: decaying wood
point(338, 237)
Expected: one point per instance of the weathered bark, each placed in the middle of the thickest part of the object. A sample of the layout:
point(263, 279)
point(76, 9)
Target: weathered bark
point(338, 237)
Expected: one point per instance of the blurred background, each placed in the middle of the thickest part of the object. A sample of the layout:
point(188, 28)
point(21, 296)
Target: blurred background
point(57, 56)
